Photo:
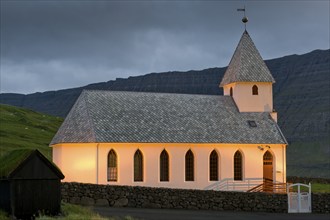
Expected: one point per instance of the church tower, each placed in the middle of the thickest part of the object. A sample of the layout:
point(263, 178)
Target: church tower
point(248, 79)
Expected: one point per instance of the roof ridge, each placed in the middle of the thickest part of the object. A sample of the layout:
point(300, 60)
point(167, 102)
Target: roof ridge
point(143, 92)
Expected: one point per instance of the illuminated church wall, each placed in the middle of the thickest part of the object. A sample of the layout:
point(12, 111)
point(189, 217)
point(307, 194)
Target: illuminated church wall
point(87, 162)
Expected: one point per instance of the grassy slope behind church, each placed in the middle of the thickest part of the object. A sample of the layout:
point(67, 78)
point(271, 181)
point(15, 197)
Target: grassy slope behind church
point(22, 128)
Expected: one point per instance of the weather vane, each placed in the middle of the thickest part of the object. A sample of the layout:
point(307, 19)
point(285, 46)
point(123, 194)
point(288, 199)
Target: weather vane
point(244, 19)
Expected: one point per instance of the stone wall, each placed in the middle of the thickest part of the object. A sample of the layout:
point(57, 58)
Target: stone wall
point(321, 202)
point(148, 197)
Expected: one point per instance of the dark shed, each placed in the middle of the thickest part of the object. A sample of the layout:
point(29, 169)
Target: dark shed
point(29, 183)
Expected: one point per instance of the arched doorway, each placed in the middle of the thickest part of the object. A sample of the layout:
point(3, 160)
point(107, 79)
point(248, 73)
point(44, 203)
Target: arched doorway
point(268, 165)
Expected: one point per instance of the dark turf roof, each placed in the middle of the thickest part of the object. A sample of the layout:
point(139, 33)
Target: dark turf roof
point(246, 65)
point(13, 160)
point(137, 117)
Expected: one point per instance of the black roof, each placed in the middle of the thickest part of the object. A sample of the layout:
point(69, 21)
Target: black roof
point(138, 117)
point(14, 161)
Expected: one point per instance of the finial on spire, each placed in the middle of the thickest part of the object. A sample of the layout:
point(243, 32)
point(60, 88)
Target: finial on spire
point(244, 19)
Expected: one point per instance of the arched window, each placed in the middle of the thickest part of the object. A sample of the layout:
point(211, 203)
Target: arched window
point(112, 166)
point(164, 166)
point(214, 163)
point(268, 157)
point(138, 166)
point(189, 166)
point(254, 90)
point(238, 166)
point(231, 91)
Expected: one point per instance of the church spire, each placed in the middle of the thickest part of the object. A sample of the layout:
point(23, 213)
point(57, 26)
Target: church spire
point(248, 79)
point(246, 65)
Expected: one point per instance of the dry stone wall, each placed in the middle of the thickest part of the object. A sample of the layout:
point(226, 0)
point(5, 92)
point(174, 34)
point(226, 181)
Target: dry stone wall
point(149, 197)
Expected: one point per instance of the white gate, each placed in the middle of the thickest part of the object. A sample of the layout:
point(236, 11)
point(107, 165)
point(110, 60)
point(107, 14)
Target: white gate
point(300, 201)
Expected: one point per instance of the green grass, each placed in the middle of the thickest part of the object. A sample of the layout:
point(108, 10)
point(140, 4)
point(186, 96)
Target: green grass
point(309, 159)
point(23, 128)
point(3, 215)
point(72, 212)
point(316, 188)
point(10, 161)
point(320, 188)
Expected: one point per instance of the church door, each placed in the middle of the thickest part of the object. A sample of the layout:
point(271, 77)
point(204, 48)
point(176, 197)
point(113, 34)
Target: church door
point(268, 166)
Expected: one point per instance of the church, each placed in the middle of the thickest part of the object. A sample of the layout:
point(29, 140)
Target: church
point(229, 142)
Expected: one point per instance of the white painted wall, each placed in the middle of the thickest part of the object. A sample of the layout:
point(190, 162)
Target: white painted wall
point(87, 163)
point(246, 102)
point(77, 162)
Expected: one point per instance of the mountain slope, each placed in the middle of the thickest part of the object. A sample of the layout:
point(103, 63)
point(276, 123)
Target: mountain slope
point(23, 128)
point(301, 97)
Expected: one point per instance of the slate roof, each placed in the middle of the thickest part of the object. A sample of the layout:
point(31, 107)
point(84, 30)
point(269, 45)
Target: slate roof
point(246, 65)
point(138, 117)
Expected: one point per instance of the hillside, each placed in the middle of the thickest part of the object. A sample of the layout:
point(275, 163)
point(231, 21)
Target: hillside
point(22, 128)
point(301, 97)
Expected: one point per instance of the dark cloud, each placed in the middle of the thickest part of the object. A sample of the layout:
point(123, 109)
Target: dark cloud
point(47, 45)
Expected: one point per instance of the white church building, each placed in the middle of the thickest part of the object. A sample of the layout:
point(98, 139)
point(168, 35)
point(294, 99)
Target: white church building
point(178, 140)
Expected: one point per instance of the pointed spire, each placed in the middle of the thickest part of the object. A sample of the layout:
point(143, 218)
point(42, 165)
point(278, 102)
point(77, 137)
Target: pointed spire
point(246, 65)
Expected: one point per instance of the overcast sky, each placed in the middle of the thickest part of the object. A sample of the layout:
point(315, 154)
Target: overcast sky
point(52, 45)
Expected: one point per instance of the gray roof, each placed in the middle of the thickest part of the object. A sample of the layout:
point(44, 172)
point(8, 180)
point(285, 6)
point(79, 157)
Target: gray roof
point(246, 65)
point(137, 117)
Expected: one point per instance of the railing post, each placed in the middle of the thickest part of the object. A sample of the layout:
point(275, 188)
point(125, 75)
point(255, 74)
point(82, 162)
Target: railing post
point(310, 197)
point(299, 200)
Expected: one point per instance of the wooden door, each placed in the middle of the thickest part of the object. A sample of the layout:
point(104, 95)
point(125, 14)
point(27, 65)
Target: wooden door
point(268, 165)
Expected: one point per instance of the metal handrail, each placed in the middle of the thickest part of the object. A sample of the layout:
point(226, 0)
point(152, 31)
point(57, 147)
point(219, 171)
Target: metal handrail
point(229, 184)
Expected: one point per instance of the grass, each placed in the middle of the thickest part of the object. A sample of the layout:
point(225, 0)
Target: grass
point(320, 188)
point(10, 161)
point(316, 188)
point(4, 215)
point(74, 212)
point(309, 159)
point(23, 128)
point(71, 212)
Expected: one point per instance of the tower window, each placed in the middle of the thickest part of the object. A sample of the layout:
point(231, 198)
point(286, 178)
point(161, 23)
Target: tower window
point(254, 90)
point(231, 91)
